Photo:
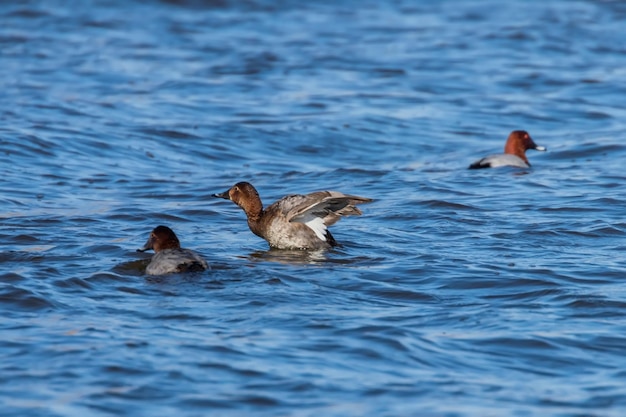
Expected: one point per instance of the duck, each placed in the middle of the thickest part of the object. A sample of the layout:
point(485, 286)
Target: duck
point(295, 222)
point(168, 256)
point(518, 142)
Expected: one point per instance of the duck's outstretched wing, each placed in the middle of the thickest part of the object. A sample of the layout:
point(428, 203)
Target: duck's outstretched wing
point(316, 211)
point(329, 206)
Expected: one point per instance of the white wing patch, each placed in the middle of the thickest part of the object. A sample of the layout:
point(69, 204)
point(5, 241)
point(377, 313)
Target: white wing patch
point(316, 224)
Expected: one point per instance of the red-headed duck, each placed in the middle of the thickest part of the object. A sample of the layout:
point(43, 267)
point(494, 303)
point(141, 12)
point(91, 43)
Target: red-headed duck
point(514, 152)
point(295, 221)
point(169, 257)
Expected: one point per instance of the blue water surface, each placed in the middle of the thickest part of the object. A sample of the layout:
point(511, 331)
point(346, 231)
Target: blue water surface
point(457, 293)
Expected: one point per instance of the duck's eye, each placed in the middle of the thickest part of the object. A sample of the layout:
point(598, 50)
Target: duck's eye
point(235, 188)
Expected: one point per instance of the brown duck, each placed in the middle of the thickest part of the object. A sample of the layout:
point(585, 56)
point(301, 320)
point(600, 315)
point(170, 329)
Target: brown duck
point(295, 221)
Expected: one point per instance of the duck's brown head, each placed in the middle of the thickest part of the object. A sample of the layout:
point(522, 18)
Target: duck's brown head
point(245, 196)
point(519, 142)
point(162, 237)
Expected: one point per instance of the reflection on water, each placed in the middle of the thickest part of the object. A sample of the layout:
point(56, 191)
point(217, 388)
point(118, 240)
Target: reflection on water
point(289, 257)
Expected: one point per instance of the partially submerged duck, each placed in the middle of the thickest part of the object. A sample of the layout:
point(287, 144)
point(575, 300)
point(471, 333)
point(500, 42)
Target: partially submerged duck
point(168, 256)
point(518, 142)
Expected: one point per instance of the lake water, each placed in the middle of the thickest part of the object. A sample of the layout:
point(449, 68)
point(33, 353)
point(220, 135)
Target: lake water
point(457, 293)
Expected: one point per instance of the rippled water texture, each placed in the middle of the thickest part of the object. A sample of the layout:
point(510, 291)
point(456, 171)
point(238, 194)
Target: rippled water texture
point(457, 293)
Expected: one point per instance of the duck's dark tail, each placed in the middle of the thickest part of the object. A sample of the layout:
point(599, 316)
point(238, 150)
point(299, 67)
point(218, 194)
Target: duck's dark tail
point(191, 267)
point(479, 165)
point(330, 239)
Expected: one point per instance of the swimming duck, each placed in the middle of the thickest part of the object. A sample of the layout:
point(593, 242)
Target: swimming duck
point(295, 221)
point(168, 256)
point(514, 155)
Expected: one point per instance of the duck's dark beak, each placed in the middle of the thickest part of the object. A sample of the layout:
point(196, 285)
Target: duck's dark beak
point(224, 195)
point(536, 147)
point(147, 246)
